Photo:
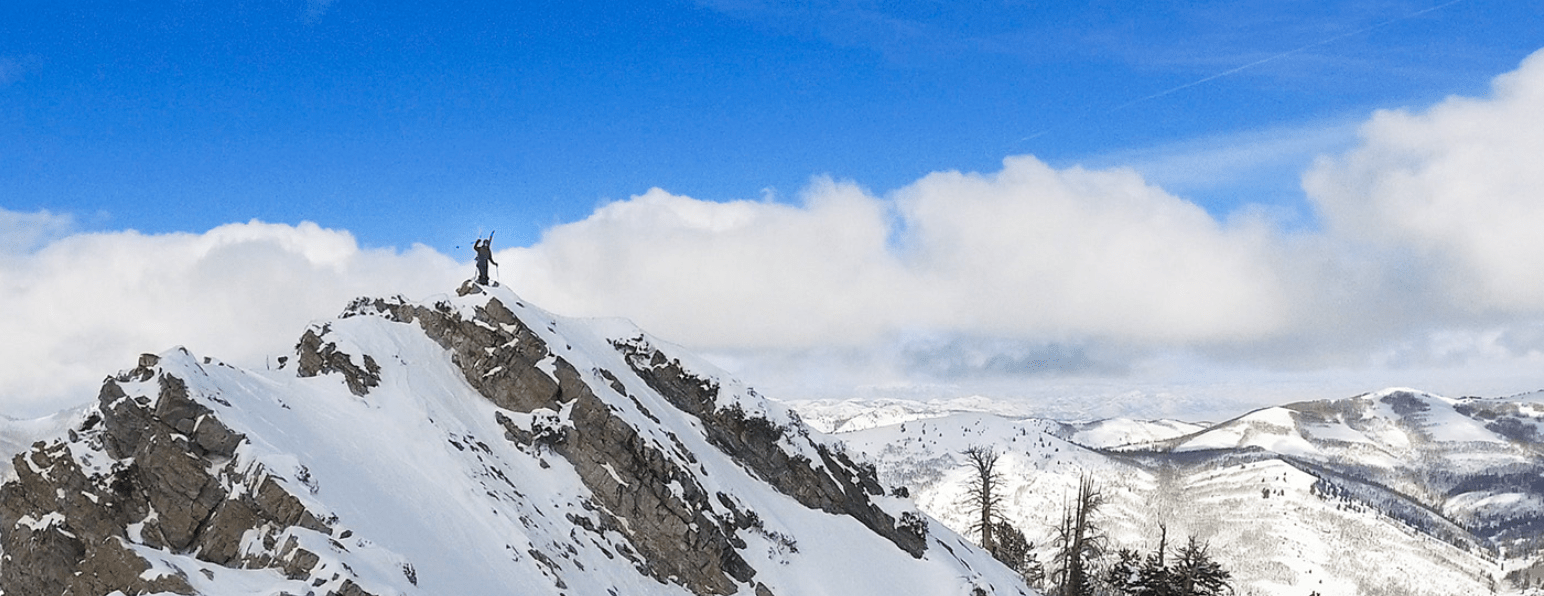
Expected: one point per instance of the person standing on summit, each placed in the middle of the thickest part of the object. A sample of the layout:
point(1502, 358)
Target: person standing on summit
point(484, 250)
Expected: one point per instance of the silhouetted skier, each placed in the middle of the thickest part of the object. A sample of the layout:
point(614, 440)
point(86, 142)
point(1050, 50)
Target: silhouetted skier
point(484, 250)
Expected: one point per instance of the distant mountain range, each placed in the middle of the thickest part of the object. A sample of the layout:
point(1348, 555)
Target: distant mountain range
point(1393, 492)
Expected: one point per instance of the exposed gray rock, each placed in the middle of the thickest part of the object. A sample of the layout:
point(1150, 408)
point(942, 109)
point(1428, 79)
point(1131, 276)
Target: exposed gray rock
point(838, 486)
point(316, 357)
point(221, 538)
point(110, 566)
point(163, 465)
point(177, 487)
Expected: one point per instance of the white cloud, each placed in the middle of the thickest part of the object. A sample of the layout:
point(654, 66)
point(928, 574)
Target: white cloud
point(740, 274)
point(1031, 250)
point(1457, 189)
point(23, 232)
point(1026, 252)
point(240, 292)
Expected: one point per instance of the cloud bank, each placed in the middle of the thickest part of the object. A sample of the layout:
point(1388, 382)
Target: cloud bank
point(84, 306)
point(1421, 269)
point(1421, 263)
point(1458, 188)
point(1028, 251)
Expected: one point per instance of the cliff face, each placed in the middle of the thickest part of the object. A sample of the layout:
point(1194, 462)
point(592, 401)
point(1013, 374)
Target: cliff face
point(464, 445)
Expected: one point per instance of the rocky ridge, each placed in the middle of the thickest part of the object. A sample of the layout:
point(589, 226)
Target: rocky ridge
point(407, 442)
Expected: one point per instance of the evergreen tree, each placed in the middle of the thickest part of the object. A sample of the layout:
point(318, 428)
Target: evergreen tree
point(983, 498)
point(1191, 573)
point(1154, 578)
point(1034, 571)
point(1196, 574)
point(1121, 576)
point(1011, 547)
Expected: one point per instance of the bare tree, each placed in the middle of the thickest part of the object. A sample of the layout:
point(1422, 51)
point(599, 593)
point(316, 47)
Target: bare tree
point(983, 493)
point(1078, 541)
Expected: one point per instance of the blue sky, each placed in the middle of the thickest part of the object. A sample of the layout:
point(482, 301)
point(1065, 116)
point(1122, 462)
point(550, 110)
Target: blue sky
point(1157, 209)
point(410, 122)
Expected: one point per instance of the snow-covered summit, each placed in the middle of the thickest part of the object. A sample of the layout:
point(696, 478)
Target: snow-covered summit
point(461, 445)
point(1380, 428)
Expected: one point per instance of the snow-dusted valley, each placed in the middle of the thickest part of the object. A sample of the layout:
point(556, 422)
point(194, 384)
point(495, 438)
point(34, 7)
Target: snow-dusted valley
point(1394, 492)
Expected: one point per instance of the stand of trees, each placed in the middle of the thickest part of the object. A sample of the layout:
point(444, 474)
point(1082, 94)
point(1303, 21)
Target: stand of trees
point(1191, 573)
point(1079, 565)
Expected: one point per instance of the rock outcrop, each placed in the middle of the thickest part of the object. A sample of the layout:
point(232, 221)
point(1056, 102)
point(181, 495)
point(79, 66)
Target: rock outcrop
point(148, 470)
point(835, 484)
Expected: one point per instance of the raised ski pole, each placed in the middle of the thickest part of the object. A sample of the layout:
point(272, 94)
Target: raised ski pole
point(498, 279)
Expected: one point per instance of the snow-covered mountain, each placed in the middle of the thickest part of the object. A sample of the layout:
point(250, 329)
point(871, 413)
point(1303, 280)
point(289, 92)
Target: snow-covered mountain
point(1475, 463)
point(1394, 492)
point(467, 445)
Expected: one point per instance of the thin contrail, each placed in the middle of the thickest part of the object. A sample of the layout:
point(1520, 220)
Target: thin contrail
point(1273, 58)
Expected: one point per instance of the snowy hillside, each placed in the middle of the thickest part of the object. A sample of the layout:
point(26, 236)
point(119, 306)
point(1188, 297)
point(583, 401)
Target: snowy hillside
point(1040, 467)
point(1475, 462)
point(1395, 492)
point(465, 445)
